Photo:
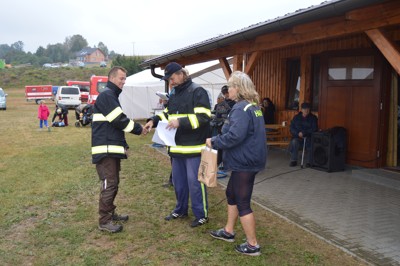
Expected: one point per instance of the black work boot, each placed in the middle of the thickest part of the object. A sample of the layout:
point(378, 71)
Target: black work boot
point(110, 227)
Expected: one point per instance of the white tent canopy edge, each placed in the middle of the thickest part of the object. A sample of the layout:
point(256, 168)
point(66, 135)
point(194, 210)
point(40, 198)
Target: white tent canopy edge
point(138, 98)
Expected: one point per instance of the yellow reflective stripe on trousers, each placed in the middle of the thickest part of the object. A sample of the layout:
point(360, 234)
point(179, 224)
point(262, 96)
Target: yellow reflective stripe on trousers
point(186, 149)
point(129, 127)
point(114, 114)
point(108, 149)
point(202, 110)
point(98, 117)
point(203, 194)
point(193, 121)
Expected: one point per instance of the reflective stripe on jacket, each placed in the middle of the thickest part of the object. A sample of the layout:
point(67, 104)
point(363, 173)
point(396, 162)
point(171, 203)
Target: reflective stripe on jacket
point(109, 125)
point(189, 104)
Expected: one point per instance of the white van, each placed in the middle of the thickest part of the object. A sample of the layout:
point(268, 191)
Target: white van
point(69, 96)
point(3, 99)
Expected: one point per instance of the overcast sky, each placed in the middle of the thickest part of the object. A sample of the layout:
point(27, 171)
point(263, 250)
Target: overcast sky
point(141, 27)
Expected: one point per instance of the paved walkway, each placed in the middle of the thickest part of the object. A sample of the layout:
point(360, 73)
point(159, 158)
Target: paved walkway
point(357, 210)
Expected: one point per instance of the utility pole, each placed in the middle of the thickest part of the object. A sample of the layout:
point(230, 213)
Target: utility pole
point(133, 48)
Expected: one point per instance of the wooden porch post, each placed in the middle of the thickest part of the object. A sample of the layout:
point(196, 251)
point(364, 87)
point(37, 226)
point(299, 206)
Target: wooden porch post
point(225, 67)
point(238, 62)
point(305, 79)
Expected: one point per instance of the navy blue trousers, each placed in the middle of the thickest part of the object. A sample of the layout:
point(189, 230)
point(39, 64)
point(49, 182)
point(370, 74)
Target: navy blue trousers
point(184, 178)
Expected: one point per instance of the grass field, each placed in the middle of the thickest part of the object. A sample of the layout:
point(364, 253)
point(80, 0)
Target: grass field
point(49, 198)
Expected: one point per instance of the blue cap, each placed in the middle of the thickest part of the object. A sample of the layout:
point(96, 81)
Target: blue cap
point(170, 69)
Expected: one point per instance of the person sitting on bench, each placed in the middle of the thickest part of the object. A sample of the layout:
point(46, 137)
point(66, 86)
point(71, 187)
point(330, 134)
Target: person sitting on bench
point(302, 126)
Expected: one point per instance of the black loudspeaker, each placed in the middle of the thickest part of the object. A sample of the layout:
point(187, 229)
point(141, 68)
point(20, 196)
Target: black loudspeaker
point(329, 149)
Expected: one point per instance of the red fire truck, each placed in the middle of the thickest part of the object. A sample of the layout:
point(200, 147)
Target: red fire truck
point(38, 92)
point(97, 85)
point(84, 87)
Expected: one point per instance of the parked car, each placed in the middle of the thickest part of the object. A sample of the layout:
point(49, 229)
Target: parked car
point(3, 99)
point(69, 96)
point(103, 64)
point(84, 87)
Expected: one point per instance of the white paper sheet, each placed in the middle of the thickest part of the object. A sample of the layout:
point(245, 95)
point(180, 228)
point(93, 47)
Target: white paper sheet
point(163, 135)
point(162, 95)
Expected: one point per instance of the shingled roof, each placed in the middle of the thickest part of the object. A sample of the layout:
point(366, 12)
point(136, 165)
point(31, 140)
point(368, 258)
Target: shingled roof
point(324, 10)
point(87, 51)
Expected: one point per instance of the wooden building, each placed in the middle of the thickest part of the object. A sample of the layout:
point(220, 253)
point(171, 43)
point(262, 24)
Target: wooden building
point(342, 56)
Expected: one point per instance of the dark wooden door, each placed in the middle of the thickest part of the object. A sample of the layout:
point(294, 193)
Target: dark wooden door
point(350, 97)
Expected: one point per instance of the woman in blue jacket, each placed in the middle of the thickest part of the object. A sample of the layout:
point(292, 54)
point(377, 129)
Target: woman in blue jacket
point(243, 142)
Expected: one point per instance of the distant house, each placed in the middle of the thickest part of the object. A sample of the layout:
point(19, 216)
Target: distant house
point(90, 55)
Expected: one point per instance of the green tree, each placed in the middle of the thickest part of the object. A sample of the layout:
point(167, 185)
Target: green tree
point(130, 63)
point(103, 48)
point(40, 51)
point(57, 52)
point(11, 52)
point(18, 46)
point(43, 60)
point(112, 54)
point(25, 58)
point(75, 43)
point(14, 56)
point(4, 50)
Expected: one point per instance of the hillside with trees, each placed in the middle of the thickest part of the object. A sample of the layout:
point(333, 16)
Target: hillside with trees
point(27, 67)
point(20, 77)
point(14, 54)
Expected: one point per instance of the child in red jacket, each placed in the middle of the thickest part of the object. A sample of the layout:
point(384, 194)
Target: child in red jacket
point(43, 114)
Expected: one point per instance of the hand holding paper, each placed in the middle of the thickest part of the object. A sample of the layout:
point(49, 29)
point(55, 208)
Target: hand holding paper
point(164, 135)
point(174, 123)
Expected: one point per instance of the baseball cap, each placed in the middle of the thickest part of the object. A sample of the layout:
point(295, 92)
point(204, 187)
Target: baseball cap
point(305, 106)
point(170, 69)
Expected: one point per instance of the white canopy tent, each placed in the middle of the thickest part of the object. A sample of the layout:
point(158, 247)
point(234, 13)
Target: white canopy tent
point(139, 100)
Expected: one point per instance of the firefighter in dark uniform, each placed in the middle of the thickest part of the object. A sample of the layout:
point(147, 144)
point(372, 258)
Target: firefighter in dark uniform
point(109, 146)
point(189, 112)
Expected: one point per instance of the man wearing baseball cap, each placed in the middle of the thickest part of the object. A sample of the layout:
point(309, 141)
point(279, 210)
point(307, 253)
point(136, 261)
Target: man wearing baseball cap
point(188, 111)
point(170, 69)
point(301, 128)
point(225, 92)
